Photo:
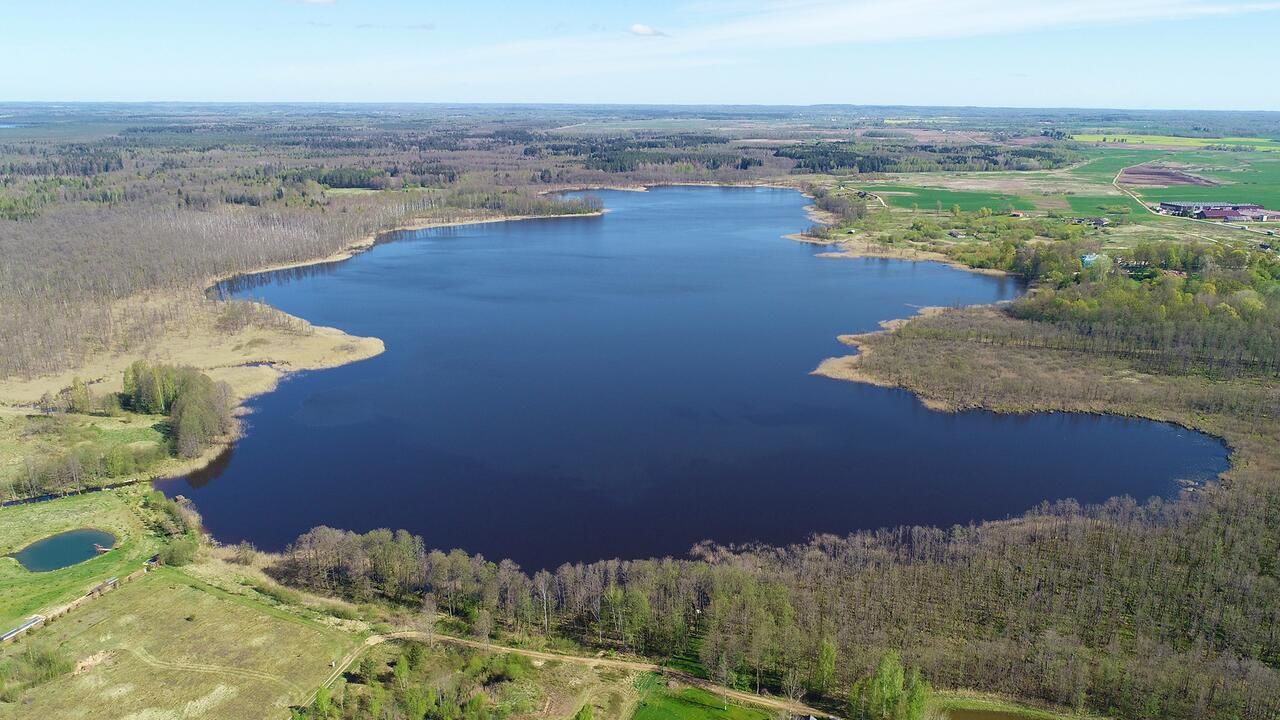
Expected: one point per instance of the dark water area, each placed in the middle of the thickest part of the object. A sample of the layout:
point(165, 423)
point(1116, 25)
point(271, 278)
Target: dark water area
point(63, 550)
point(627, 385)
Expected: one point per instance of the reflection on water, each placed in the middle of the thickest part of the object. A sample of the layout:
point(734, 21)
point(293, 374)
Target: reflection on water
point(64, 549)
point(628, 385)
point(216, 467)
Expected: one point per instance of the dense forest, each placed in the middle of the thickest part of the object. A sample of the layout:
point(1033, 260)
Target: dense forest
point(910, 157)
point(1180, 307)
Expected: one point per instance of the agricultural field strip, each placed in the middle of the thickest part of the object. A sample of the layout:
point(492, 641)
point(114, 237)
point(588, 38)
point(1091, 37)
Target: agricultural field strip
point(1260, 144)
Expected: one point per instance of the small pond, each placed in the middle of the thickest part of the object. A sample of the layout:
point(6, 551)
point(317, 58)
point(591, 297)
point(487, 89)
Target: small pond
point(64, 549)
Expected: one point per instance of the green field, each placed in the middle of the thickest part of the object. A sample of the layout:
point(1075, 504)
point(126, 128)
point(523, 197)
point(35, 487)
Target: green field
point(1105, 204)
point(662, 703)
point(927, 198)
point(1263, 144)
point(167, 645)
point(24, 593)
point(1257, 181)
point(1106, 164)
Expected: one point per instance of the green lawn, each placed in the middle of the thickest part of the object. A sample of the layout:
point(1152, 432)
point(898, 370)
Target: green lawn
point(927, 198)
point(660, 703)
point(24, 593)
point(1102, 204)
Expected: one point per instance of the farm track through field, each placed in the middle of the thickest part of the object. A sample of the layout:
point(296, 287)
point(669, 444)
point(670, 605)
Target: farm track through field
point(775, 703)
point(205, 669)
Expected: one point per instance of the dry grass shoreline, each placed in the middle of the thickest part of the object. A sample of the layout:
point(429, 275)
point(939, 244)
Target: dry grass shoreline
point(368, 241)
point(252, 360)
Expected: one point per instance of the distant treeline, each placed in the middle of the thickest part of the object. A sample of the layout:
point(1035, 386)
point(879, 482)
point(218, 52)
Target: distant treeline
point(902, 158)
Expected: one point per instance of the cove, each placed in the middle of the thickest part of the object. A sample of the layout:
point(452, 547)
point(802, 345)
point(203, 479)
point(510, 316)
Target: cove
point(64, 549)
point(627, 385)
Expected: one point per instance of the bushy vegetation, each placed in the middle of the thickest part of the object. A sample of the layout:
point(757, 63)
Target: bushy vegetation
point(196, 413)
point(409, 684)
point(890, 693)
point(38, 663)
point(1185, 307)
point(171, 517)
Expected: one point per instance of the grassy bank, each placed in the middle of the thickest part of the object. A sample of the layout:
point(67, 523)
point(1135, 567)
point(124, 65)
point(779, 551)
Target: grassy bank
point(23, 593)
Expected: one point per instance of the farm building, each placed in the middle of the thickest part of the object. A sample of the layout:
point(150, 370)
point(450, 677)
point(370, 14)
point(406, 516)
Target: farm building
point(1223, 214)
point(1189, 209)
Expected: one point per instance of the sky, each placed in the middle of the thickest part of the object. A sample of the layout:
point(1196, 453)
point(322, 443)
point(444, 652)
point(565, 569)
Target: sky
point(1190, 54)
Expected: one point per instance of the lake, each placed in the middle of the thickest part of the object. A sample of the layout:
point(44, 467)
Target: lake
point(63, 549)
point(627, 385)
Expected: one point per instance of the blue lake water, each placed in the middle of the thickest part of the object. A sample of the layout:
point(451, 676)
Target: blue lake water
point(627, 385)
point(63, 549)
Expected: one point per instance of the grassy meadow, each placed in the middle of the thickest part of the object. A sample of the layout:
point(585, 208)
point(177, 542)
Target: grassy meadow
point(167, 645)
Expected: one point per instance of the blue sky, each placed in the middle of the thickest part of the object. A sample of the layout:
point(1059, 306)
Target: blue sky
point(1027, 53)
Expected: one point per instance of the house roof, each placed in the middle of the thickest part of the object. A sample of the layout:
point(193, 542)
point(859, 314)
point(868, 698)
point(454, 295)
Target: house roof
point(1199, 205)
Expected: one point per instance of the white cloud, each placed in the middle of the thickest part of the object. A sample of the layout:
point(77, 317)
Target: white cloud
point(646, 30)
point(710, 34)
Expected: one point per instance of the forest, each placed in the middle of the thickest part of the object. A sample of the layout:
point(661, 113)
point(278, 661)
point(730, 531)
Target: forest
point(1180, 307)
point(1156, 610)
point(886, 157)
